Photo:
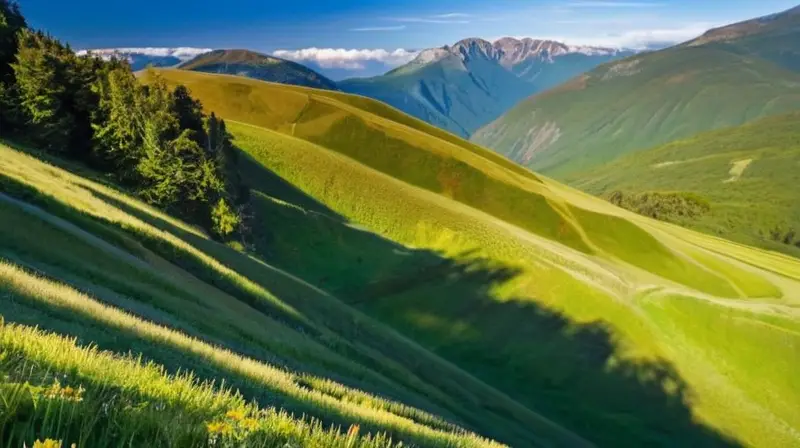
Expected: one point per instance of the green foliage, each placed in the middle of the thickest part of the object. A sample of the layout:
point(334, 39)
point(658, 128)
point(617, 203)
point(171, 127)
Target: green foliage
point(40, 71)
point(664, 206)
point(151, 137)
point(224, 219)
point(11, 23)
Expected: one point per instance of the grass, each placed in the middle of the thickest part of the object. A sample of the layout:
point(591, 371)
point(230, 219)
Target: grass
point(431, 304)
point(746, 174)
point(640, 102)
point(220, 318)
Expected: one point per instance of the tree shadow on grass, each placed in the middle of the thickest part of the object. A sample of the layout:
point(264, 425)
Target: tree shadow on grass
point(563, 370)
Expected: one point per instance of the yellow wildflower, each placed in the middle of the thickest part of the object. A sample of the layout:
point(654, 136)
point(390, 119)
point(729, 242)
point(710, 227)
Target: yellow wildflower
point(237, 415)
point(250, 424)
point(219, 428)
point(48, 443)
point(353, 431)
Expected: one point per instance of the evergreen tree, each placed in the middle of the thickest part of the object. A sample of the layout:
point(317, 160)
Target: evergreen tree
point(118, 121)
point(11, 23)
point(189, 112)
point(42, 88)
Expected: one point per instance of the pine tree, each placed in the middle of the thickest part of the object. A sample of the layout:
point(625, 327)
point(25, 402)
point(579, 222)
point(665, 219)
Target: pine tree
point(11, 23)
point(189, 112)
point(40, 79)
point(118, 121)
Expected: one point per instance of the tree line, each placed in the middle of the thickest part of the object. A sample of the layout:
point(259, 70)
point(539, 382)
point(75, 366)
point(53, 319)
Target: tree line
point(154, 139)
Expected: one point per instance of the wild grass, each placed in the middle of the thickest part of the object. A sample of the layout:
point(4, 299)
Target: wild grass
point(54, 388)
point(17, 285)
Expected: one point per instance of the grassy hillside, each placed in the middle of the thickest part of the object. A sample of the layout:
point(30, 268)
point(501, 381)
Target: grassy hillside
point(638, 103)
point(652, 99)
point(258, 66)
point(748, 174)
point(83, 260)
point(618, 328)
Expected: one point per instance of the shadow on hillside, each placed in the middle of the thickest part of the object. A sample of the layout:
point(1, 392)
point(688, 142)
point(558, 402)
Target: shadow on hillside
point(563, 370)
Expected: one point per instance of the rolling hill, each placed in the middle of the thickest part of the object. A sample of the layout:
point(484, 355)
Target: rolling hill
point(399, 285)
point(748, 175)
point(258, 66)
point(653, 98)
point(596, 319)
point(464, 86)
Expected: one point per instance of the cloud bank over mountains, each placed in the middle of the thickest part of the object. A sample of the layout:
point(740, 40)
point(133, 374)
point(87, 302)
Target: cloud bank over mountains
point(182, 53)
point(351, 59)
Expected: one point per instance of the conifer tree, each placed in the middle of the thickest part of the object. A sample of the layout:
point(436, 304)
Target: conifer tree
point(42, 88)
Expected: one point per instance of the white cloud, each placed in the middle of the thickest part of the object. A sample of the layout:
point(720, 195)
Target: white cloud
point(637, 39)
point(451, 15)
point(351, 59)
point(607, 4)
point(182, 53)
point(380, 28)
point(432, 19)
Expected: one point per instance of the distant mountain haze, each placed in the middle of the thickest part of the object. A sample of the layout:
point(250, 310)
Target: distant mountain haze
point(141, 58)
point(464, 86)
point(726, 77)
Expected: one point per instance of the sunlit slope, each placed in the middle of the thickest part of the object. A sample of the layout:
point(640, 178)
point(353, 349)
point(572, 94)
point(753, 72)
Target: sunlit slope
point(600, 345)
point(548, 294)
point(637, 103)
point(474, 176)
point(748, 174)
point(81, 259)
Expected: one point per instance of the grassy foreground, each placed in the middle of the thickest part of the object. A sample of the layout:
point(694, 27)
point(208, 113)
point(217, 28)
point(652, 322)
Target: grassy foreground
point(582, 312)
point(203, 339)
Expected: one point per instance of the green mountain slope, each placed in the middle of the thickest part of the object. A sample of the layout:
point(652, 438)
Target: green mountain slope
point(772, 37)
point(462, 87)
point(748, 174)
point(258, 66)
point(597, 319)
point(647, 100)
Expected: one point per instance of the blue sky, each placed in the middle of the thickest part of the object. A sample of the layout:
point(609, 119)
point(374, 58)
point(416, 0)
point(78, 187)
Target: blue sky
point(269, 25)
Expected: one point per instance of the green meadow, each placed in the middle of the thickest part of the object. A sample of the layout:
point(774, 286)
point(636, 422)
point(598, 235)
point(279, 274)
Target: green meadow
point(747, 176)
point(398, 285)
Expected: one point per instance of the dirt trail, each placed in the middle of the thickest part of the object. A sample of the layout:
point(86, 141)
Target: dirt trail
point(76, 231)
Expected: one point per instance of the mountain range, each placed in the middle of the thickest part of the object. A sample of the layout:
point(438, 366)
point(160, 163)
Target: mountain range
point(729, 76)
point(457, 88)
point(464, 86)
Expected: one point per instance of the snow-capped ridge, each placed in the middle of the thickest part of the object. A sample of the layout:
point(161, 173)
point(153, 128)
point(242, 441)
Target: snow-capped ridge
point(510, 51)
